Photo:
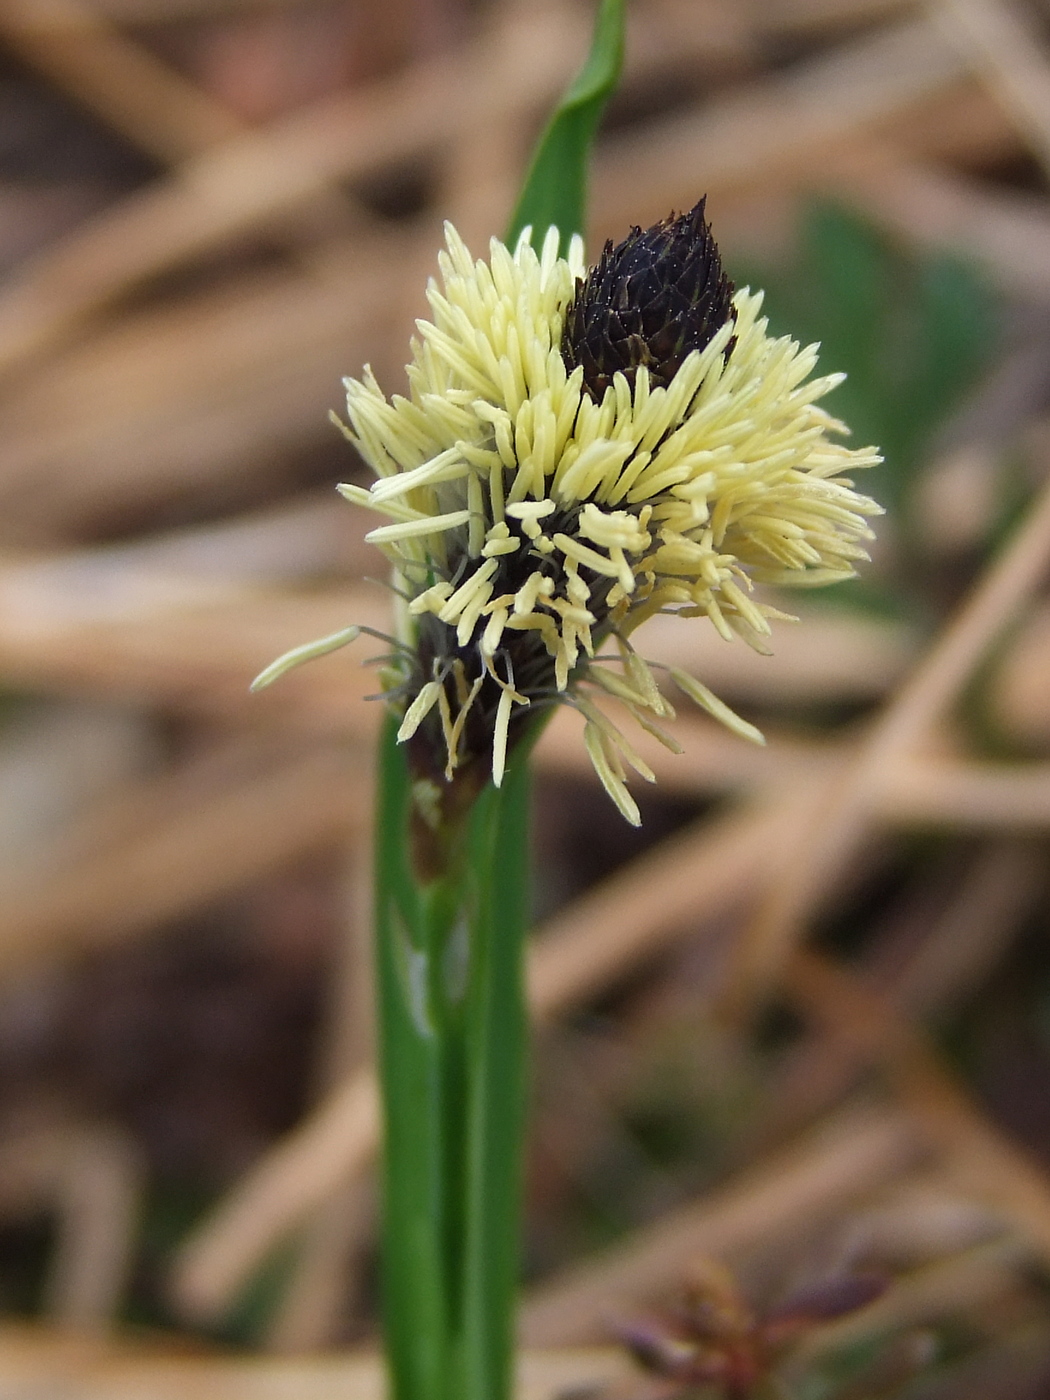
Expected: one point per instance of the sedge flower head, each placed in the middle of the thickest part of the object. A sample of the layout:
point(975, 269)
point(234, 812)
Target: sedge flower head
point(578, 451)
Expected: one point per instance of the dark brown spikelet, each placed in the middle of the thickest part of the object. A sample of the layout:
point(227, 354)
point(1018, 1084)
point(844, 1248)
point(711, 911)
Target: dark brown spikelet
point(649, 300)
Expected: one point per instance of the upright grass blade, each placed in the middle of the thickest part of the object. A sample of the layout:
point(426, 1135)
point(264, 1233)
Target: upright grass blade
point(555, 189)
point(449, 965)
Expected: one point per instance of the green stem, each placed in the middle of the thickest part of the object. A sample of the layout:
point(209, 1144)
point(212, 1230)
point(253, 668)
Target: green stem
point(497, 1032)
point(414, 1072)
point(452, 1037)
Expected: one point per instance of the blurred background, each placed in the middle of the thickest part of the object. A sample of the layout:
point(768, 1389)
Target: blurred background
point(799, 1023)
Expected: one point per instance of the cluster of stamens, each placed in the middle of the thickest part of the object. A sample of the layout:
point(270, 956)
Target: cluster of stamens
point(569, 463)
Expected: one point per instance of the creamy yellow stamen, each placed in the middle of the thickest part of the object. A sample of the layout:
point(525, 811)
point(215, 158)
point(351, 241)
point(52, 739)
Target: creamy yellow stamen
point(531, 521)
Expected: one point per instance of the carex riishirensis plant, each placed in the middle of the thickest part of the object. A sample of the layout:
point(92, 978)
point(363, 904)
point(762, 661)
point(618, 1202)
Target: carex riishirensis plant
point(580, 448)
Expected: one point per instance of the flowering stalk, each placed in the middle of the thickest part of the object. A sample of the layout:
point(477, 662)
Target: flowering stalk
point(581, 449)
point(451, 915)
point(449, 969)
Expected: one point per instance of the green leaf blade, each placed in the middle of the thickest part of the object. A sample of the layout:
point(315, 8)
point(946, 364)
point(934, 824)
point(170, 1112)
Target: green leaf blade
point(555, 189)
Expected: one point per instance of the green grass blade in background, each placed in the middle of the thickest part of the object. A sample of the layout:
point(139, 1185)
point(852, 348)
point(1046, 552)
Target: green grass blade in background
point(913, 330)
point(555, 189)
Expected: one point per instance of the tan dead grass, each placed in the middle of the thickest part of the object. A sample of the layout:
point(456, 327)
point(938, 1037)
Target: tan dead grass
point(125, 397)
